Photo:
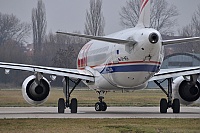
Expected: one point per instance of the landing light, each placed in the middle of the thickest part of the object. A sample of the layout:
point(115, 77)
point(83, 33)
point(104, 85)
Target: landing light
point(53, 77)
point(7, 71)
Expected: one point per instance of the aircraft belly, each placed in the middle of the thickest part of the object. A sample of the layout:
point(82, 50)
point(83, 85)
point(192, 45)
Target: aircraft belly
point(118, 82)
point(129, 79)
point(102, 83)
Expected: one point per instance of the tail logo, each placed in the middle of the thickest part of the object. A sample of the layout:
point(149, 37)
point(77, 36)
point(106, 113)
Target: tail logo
point(144, 2)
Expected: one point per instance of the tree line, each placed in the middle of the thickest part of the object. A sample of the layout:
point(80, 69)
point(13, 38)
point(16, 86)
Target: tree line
point(48, 49)
point(56, 50)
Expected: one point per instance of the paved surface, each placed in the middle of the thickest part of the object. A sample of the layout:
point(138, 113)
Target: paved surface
point(88, 112)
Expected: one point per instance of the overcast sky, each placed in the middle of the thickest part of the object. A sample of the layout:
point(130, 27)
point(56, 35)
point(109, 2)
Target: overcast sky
point(69, 15)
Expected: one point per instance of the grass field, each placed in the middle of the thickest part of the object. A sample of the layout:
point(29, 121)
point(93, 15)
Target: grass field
point(88, 98)
point(100, 125)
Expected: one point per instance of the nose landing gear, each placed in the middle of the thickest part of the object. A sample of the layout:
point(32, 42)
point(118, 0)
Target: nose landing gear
point(101, 105)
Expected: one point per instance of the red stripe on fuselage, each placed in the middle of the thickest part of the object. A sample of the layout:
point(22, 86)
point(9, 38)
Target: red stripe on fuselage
point(82, 62)
point(122, 63)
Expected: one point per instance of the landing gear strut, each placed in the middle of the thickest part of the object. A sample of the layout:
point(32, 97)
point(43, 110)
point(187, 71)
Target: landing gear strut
point(168, 103)
point(101, 105)
point(62, 104)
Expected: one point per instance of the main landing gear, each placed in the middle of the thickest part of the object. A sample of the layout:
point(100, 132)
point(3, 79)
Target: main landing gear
point(168, 103)
point(71, 104)
point(101, 105)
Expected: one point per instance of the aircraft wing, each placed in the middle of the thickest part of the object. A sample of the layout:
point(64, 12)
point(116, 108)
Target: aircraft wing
point(181, 40)
point(175, 72)
point(101, 38)
point(73, 73)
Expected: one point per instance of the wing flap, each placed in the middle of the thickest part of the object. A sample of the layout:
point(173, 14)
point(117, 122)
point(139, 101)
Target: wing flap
point(175, 72)
point(101, 38)
point(73, 73)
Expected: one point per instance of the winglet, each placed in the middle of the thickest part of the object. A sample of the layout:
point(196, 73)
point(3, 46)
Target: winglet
point(144, 18)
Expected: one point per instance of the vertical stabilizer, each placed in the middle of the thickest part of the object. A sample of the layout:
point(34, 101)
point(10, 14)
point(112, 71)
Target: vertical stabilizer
point(144, 19)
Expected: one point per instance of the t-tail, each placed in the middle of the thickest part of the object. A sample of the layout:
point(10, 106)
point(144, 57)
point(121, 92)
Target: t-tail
point(144, 18)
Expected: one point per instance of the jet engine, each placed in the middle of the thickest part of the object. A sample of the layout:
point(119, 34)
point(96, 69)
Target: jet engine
point(35, 91)
point(186, 91)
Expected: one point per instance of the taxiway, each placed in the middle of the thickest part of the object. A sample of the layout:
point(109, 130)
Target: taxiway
point(89, 112)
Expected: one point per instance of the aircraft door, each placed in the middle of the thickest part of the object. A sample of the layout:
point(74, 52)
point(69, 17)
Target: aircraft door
point(115, 53)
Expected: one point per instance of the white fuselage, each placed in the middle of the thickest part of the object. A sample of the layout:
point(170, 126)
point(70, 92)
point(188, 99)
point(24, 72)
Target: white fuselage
point(120, 66)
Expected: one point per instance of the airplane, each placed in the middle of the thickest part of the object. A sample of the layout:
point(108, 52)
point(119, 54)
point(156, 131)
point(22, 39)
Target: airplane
point(125, 60)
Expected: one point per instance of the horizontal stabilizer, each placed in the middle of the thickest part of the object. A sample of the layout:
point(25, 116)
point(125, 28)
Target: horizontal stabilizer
point(181, 40)
point(100, 38)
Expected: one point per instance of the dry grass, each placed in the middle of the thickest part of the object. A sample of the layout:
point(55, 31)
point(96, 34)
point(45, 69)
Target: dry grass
point(100, 125)
point(136, 98)
point(88, 98)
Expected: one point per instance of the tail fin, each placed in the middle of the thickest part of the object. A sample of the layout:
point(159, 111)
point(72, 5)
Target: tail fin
point(144, 19)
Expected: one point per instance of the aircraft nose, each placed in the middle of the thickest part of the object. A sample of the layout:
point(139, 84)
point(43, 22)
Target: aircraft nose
point(153, 38)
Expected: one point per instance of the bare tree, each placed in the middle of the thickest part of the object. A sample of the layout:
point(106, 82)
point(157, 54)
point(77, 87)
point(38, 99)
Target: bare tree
point(187, 31)
point(192, 29)
point(95, 22)
point(65, 57)
point(39, 25)
point(163, 15)
point(13, 34)
point(12, 51)
point(63, 50)
point(12, 29)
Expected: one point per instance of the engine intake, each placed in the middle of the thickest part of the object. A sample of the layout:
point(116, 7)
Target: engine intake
point(186, 91)
point(35, 93)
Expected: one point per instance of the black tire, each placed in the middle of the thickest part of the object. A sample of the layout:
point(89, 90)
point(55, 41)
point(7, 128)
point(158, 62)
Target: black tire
point(98, 106)
point(176, 106)
point(163, 105)
point(61, 105)
point(104, 106)
point(74, 105)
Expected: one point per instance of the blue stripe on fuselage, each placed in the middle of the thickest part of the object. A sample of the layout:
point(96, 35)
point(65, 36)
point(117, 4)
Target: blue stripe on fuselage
point(131, 68)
